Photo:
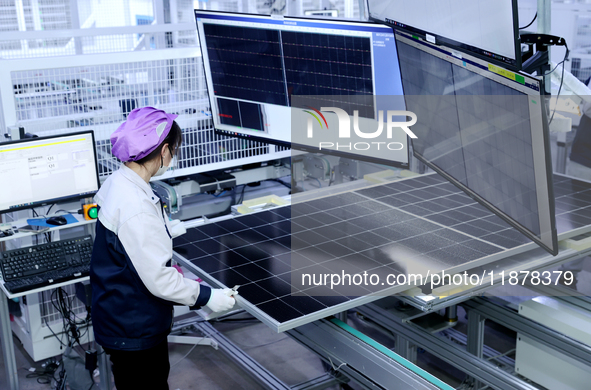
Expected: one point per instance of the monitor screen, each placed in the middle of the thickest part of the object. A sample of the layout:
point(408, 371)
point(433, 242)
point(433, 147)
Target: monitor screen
point(484, 128)
point(258, 67)
point(38, 171)
point(487, 29)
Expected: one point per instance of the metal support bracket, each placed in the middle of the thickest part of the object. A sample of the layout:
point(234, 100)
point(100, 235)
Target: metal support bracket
point(406, 349)
point(458, 357)
point(475, 339)
point(512, 320)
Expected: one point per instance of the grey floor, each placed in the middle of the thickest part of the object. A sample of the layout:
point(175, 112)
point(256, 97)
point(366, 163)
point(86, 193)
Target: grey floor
point(206, 368)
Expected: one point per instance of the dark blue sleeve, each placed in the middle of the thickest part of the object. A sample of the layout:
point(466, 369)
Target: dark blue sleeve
point(203, 298)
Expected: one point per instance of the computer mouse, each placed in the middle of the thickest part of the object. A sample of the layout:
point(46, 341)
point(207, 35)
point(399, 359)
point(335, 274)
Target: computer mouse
point(57, 220)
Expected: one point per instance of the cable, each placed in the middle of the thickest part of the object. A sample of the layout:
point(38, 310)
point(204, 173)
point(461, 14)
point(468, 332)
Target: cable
point(530, 23)
point(45, 376)
point(49, 209)
point(92, 379)
point(501, 354)
point(60, 382)
point(335, 369)
point(557, 95)
point(315, 178)
point(55, 335)
point(282, 182)
point(261, 345)
point(71, 323)
point(561, 80)
point(241, 194)
point(47, 236)
point(187, 354)
point(331, 179)
point(557, 65)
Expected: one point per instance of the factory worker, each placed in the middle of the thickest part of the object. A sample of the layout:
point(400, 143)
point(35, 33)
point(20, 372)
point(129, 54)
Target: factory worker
point(133, 286)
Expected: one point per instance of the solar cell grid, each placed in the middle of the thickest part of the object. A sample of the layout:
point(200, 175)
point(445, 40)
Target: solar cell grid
point(248, 63)
point(262, 252)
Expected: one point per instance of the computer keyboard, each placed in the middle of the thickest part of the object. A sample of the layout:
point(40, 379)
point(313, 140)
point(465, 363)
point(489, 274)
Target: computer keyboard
point(41, 265)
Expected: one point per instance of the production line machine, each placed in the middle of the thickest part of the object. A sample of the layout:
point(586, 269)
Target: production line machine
point(184, 190)
point(493, 216)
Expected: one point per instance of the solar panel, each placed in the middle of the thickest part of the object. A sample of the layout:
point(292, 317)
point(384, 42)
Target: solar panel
point(407, 226)
point(485, 131)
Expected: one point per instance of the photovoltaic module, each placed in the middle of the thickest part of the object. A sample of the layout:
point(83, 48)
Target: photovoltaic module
point(408, 225)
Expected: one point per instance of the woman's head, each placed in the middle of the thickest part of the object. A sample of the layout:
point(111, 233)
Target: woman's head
point(168, 148)
point(149, 137)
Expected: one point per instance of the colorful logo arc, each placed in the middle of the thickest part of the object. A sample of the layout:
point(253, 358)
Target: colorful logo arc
point(314, 115)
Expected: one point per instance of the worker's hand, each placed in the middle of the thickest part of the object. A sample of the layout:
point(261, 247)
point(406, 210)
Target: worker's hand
point(177, 228)
point(220, 300)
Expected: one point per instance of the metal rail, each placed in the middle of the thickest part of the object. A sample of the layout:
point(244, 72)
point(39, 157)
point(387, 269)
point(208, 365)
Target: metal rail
point(481, 370)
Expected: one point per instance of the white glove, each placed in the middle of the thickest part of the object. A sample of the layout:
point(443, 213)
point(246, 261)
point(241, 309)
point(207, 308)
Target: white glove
point(220, 300)
point(177, 228)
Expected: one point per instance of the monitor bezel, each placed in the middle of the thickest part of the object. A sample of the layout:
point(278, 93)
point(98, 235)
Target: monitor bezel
point(46, 202)
point(292, 145)
point(330, 152)
point(553, 249)
point(513, 64)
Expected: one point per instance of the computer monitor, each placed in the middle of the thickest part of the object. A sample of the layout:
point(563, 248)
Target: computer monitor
point(484, 128)
point(45, 170)
point(257, 67)
point(486, 29)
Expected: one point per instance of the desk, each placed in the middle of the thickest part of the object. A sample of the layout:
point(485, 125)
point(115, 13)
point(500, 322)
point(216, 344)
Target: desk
point(5, 327)
point(20, 223)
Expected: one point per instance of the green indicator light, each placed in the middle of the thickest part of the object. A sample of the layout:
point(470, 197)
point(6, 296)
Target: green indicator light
point(415, 37)
point(519, 79)
point(534, 102)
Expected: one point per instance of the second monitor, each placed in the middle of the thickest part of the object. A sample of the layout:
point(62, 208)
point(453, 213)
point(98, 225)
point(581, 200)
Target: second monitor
point(255, 65)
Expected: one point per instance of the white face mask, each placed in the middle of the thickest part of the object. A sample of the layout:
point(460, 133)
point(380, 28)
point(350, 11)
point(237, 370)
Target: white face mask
point(164, 168)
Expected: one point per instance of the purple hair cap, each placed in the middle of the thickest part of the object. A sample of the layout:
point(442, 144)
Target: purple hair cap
point(142, 132)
